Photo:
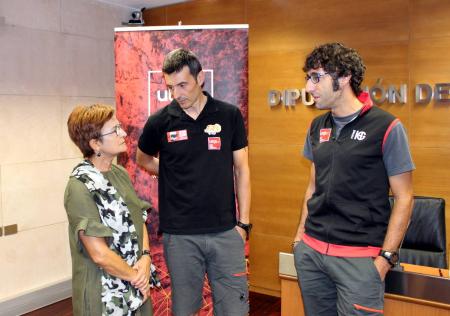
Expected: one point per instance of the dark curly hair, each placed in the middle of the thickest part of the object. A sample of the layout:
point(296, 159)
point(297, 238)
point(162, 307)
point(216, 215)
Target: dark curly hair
point(339, 61)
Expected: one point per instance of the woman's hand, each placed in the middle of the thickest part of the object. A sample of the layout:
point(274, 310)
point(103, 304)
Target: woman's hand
point(101, 255)
point(145, 292)
point(142, 267)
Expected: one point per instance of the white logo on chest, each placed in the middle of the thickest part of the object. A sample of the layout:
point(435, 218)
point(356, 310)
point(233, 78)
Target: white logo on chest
point(213, 129)
point(358, 135)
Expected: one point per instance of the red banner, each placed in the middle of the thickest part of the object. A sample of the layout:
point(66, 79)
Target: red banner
point(140, 91)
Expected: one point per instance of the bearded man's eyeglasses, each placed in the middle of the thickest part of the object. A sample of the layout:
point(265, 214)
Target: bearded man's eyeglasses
point(315, 77)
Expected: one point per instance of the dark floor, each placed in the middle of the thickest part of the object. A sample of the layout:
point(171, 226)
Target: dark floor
point(260, 305)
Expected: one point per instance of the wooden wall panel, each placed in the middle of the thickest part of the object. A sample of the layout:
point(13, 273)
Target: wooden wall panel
point(432, 176)
point(392, 68)
point(430, 63)
point(155, 16)
point(207, 12)
point(401, 41)
point(277, 184)
point(266, 247)
point(429, 18)
point(277, 178)
point(288, 124)
point(287, 25)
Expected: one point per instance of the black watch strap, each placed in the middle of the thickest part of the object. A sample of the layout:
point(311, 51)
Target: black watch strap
point(390, 256)
point(246, 227)
point(145, 252)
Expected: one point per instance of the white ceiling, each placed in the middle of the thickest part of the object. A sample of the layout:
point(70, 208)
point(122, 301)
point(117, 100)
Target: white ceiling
point(138, 4)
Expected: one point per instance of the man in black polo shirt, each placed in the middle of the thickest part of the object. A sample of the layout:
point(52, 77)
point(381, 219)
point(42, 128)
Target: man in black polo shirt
point(201, 146)
point(348, 238)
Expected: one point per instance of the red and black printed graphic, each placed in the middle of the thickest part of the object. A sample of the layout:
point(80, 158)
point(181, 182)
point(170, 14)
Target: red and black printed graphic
point(141, 91)
point(214, 143)
point(176, 136)
point(324, 135)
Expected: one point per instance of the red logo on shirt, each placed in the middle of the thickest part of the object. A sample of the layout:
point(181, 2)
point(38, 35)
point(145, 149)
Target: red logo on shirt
point(176, 136)
point(325, 134)
point(214, 143)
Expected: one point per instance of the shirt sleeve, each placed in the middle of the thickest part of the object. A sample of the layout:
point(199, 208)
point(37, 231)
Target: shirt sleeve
point(396, 154)
point(150, 139)
point(145, 206)
point(82, 212)
point(239, 139)
point(307, 148)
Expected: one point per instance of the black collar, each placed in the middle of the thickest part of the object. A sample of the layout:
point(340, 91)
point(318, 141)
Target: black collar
point(210, 107)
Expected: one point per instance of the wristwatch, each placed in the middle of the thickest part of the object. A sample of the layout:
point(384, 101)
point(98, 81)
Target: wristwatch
point(390, 256)
point(145, 252)
point(246, 227)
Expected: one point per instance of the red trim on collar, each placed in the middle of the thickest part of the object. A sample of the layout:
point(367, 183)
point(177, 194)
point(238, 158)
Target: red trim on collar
point(364, 98)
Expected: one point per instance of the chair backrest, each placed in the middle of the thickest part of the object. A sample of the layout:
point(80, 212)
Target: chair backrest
point(425, 240)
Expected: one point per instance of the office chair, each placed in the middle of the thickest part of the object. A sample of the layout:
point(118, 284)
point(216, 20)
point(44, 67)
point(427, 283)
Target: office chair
point(425, 240)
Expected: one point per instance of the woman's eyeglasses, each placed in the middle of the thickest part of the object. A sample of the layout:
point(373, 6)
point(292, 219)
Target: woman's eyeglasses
point(116, 130)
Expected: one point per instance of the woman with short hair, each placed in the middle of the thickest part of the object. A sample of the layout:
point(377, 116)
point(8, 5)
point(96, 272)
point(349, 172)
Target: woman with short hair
point(107, 233)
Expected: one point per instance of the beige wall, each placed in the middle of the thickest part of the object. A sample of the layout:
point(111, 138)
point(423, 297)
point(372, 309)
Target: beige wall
point(54, 54)
point(402, 41)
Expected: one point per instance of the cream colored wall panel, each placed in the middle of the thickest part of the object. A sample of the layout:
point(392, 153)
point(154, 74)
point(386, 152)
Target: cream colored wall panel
point(33, 193)
point(68, 148)
point(92, 18)
point(36, 14)
point(51, 51)
point(34, 259)
point(1, 205)
point(29, 125)
point(88, 67)
point(30, 61)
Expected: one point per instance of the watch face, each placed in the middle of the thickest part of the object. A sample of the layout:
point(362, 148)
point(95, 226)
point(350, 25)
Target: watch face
point(394, 258)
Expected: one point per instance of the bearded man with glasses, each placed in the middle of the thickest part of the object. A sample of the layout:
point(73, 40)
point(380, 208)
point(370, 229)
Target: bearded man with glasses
point(348, 237)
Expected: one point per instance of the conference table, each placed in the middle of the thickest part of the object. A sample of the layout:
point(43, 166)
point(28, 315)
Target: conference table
point(411, 290)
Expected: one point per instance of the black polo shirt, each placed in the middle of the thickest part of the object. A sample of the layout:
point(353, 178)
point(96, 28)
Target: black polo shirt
point(196, 179)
